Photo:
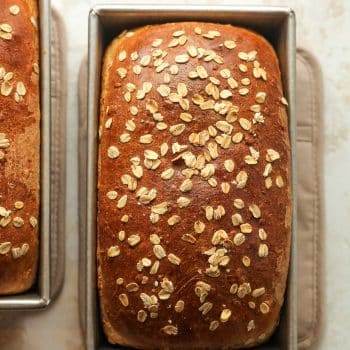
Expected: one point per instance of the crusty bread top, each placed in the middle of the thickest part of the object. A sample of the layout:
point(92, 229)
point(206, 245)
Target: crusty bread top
point(194, 206)
point(19, 145)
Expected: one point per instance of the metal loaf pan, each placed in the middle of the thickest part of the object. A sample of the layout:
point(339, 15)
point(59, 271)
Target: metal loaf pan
point(39, 296)
point(277, 24)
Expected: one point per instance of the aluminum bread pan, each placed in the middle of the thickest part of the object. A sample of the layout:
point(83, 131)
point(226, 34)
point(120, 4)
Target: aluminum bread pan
point(277, 24)
point(38, 296)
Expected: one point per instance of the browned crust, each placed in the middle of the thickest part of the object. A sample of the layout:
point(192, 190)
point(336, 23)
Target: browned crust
point(120, 323)
point(19, 168)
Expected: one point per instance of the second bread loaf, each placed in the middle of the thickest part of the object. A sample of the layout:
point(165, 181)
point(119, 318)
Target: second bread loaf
point(19, 145)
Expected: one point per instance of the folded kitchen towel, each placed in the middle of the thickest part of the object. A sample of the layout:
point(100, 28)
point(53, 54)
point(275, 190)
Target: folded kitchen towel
point(310, 198)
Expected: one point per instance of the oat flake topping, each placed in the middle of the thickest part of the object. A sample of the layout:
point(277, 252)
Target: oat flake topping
point(188, 162)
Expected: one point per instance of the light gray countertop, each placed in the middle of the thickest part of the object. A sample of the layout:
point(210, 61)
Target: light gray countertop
point(323, 27)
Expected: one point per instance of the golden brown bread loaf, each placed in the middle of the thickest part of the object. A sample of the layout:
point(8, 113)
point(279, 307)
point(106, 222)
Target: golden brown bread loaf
point(194, 200)
point(19, 145)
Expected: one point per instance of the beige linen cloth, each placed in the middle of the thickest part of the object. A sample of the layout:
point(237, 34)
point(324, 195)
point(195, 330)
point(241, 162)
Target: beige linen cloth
point(310, 208)
point(310, 198)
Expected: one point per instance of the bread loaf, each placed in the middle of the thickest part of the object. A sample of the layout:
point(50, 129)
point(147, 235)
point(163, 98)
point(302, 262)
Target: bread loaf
point(19, 145)
point(194, 199)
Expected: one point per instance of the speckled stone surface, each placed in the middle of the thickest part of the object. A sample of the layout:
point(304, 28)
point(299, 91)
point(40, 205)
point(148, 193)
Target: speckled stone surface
point(323, 28)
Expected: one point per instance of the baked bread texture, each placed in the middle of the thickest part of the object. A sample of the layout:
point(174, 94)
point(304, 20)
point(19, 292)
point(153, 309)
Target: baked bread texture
point(19, 145)
point(194, 197)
